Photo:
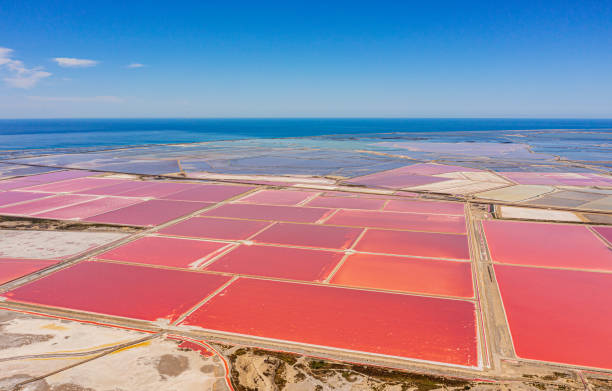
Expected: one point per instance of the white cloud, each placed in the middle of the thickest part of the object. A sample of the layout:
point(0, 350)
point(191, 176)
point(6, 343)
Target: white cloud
point(73, 99)
point(136, 65)
point(68, 62)
point(19, 76)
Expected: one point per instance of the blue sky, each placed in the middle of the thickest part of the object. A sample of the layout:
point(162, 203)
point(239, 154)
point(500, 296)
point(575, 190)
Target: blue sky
point(305, 59)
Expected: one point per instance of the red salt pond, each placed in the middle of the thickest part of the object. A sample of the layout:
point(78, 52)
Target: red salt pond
point(152, 212)
point(278, 197)
point(309, 235)
point(269, 212)
point(13, 268)
point(278, 262)
point(74, 185)
point(155, 250)
point(561, 316)
point(540, 244)
point(114, 289)
point(89, 208)
point(415, 275)
point(605, 232)
point(396, 220)
point(417, 206)
point(44, 204)
point(11, 197)
point(419, 244)
point(424, 328)
point(215, 228)
point(348, 202)
point(208, 193)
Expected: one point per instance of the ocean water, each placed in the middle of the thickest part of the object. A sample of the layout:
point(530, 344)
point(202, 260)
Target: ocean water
point(22, 134)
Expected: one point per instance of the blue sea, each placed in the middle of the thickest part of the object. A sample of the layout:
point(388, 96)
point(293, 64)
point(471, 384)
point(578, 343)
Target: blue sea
point(19, 134)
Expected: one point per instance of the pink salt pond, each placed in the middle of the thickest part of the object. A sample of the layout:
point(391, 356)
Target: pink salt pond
point(348, 202)
point(147, 213)
point(278, 262)
point(88, 208)
point(398, 220)
point(45, 204)
point(309, 235)
point(433, 207)
point(114, 289)
point(395, 179)
point(13, 268)
point(418, 244)
point(542, 244)
point(215, 228)
point(208, 192)
point(153, 250)
point(269, 212)
point(119, 188)
point(561, 316)
point(417, 275)
point(74, 185)
point(156, 189)
point(278, 197)
point(34, 180)
point(605, 232)
point(425, 328)
point(12, 197)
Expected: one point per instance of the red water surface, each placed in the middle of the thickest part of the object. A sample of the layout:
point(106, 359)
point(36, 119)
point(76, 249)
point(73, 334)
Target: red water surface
point(398, 220)
point(278, 197)
point(89, 208)
point(561, 316)
point(269, 212)
point(419, 244)
point(417, 206)
point(40, 205)
point(208, 192)
point(415, 327)
point(415, 275)
point(155, 250)
point(543, 244)
point(348, 202)
point(215, 228)
point(605, 232)
point(11, 197)
point(74, 185)
point(13, 268)
point(114, 289)
point(278, 262)
point(310, 235)
point(152, 212)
